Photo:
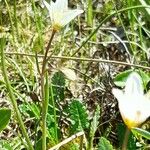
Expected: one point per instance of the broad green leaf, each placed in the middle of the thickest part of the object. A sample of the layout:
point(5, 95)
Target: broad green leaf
point(51, 127)
point(141, 132)
point(58, 82)
point(35, 110)
point(104, 144)
point(5, 145)
point(145, 78)
point(5, 115)
point(121, 78)
point(30, 109)
point(78, 115)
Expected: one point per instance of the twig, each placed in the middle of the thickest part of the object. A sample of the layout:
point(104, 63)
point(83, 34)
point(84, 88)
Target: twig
point(67, 140)
point(85, 59)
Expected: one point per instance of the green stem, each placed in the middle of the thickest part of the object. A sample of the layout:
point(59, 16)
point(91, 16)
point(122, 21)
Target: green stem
point(46, 53)
point(12, 97)
point(90, 13)
point(44, 91)
point(45, 110)
point(126, 137)
point(11, 21)
point(54, 112)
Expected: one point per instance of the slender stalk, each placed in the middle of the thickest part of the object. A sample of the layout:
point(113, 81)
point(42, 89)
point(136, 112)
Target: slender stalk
point(89, 13)
point(113, 62)
point(44, 91)
point(11, 21)
point(54, 112)
point(126, 137)
point(46, 53)
point(90, 143)
point(44, 110)
point(12, 97)
point(37, 63)
point(86, 59)
point(16, 20)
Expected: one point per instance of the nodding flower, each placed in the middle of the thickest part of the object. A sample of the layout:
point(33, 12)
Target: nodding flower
point(60, 14)
point(134, 106)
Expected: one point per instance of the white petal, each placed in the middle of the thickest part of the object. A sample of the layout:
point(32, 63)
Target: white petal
point(145, 107)
point(134, 85)
point(118, 94)
point(70, 15)
point(135, 111)
point(62, 4)
point(48, 6)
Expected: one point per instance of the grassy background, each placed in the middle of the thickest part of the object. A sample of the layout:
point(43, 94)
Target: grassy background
point(109, 30)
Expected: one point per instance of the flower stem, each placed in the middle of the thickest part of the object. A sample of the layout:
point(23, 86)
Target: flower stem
point(126, 137)
point(54, 112)
point(46, 53)
point(12, 97)
point(44, 109)
point(45, 92)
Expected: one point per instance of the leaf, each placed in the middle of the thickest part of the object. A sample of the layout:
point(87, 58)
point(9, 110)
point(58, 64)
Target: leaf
point(141, 132)
point(58, 82)
point(95, 121)
point(145, 78)
point(78, 114)
point(104, 144)
point(5, 115)
point(30, 109)
point(121, 132)
point(121, 78)
point(5, 145)
point(93, 127)
point(35, 110)
point(51, 127)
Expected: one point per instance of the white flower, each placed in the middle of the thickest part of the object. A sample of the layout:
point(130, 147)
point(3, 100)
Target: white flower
point(134, 106)
point(59, 13)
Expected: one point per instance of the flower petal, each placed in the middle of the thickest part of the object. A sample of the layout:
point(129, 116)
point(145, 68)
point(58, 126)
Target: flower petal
point(145, 107)
point(70, 15)
point(118, 94)
point(62, 4)
point(134, 85)
point(47, 5)
point(50, 8)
